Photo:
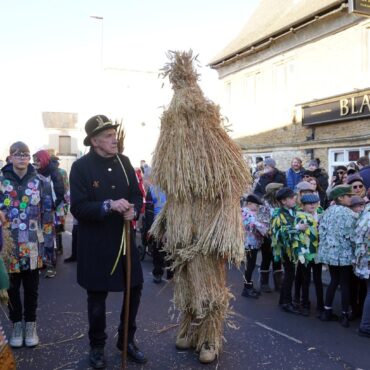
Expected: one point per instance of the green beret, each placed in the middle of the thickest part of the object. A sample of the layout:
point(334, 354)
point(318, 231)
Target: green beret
point(339, 191)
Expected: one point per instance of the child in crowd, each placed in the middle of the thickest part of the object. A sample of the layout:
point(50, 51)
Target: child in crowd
point(255, 230)
point(305, 248)
point(26, 201)
point(357, 204)
point(336, 249)
point(283, 230)
point(265, 213)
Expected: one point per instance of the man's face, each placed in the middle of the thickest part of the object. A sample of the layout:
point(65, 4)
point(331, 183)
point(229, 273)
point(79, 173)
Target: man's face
point(106, 142)
point(20, 160)
point(296, 165)
point(345, 200)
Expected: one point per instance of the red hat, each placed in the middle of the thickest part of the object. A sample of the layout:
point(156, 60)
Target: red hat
point(43, 157)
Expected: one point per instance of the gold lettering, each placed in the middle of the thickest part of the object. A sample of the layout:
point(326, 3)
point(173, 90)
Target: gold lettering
point(365, 101)
point(344, 109)
point(353, 106)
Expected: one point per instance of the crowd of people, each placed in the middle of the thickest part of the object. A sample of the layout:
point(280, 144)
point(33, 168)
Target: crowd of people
point(304, 222)
point(301, 220)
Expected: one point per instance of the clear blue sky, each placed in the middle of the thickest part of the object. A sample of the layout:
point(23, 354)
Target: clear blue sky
point(50, 49)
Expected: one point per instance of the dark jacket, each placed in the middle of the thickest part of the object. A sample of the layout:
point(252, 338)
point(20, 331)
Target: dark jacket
point(52, 170)
point(293, 178)
point(365, 174)
point(267, 178)
point(93, 180)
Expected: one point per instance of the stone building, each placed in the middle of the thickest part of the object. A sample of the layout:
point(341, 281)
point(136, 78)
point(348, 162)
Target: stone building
point(296, 82)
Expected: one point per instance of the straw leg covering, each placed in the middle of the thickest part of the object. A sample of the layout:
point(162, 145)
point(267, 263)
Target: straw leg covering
point(203, 299)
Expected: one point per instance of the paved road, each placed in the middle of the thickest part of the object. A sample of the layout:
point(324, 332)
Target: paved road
point(266, 338)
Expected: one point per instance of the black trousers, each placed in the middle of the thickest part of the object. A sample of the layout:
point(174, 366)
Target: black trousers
point(30, 281)
point(339, 275)
point(97, 316)
point(286, 289)
point(251, 264)
point(305, 271)
point(74, 241)
point(159, 260)
point(268, 257)
point(358, 289)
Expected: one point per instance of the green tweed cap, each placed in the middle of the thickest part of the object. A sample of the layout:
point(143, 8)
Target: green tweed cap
point(339, 191)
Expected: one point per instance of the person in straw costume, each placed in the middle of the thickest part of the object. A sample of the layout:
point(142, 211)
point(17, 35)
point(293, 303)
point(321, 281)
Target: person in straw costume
point(203, 174)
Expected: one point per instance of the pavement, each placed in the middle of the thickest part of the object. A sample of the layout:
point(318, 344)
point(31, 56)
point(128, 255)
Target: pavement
point(261, 336)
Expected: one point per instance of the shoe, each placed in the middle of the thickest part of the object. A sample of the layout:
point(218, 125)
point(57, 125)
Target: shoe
point(157, 279)
point(183, 343)
point(16, 338)
point(97, 358)
point(344, 319)
point(290, 308)
point(249, 291)
point(31, 338)
point(328, 315)
point(363, 333)
point(319, 312)
point(70, 259)
point(50, 272)
point(135, 354)
point(207, 353)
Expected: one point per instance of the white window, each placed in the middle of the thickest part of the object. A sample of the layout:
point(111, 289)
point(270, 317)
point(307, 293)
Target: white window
point(252, 87)
point(65, 145)
point(342, 156)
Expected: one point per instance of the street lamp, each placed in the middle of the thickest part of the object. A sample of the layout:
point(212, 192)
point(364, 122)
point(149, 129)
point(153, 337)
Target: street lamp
point(99, 18)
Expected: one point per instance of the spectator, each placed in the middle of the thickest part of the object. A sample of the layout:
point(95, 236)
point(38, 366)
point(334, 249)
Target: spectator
point(271, 174)
point(295, 173)
point(313, 170)
point(364, 166)
point(352, 168)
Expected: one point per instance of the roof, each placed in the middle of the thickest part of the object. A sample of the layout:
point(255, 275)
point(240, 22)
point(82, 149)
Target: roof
point(270, 18)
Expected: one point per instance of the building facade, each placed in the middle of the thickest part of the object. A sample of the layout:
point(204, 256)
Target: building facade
point(297, 82)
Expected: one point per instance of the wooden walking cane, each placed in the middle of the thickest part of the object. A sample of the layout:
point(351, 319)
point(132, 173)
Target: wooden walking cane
point(127, 293)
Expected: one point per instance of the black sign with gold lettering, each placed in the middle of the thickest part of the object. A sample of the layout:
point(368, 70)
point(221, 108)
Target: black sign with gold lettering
point(360, 7)
point(341, 109)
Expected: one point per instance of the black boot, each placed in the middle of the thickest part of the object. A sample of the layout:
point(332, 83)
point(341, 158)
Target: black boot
point(278, 279)
point(97, 358)
point(59, 243)
point(344, 319)
point(249, 292)
point(328, 315)
point(133, 351)
point(264, 280)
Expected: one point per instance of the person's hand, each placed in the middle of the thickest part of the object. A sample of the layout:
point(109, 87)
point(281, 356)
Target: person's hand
point(302, 227)
point(129, 214)
point(120, 205)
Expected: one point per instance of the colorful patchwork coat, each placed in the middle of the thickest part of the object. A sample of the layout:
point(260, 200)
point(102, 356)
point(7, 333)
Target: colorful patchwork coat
point(283, 232)
point(362, 240)
point(255, 229)
point(306, 242)
point(28, 206)
point(336, 245)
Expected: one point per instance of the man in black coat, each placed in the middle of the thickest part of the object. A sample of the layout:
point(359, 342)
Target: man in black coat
point(105, 193)
point(271, 174)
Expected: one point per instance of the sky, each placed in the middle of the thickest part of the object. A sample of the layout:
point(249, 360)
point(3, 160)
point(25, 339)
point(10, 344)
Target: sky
point(52, 52)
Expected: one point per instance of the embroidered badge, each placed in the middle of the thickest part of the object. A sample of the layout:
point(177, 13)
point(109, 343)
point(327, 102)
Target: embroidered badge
point(96, 184)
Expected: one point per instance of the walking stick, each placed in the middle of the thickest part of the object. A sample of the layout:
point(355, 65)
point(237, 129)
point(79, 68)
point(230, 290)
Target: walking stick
point(127, 293)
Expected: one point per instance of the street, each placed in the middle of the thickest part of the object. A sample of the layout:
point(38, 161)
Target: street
point(264, 337)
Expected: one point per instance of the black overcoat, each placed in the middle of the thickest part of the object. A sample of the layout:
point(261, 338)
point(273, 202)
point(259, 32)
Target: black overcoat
point(94, 179)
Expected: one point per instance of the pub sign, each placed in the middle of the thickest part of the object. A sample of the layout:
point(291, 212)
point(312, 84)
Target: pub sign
point(359, 7)
point(342, 108)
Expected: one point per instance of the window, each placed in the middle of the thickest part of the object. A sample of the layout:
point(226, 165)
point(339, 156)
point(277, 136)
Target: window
point(65, 145)
point(341, 157)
